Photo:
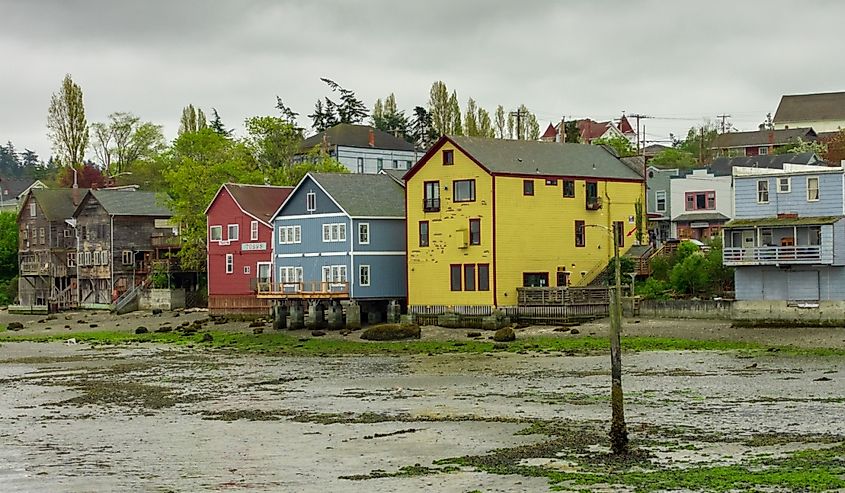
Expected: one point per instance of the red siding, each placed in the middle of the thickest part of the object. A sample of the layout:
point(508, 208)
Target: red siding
point(223, 212)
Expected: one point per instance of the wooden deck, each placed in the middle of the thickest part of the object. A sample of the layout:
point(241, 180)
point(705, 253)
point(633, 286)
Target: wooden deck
point(311, 290)
point(562, 296)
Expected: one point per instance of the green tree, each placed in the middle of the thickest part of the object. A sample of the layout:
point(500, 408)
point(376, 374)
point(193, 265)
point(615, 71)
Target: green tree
point(456, 126)
point(721, 278)
point(573, 133)
point(532, 127)
point(689, 276)
point(388, 118)
point(673, 157)
point(8, 246)
point(350, 109)
point(217, 124)
point(68, 128)
point(800, 145)
point(192, 120)
point(440, 109)
point(272, 142)
point(699, 142)
point(421, 132)
point(485, 125)
point(471, 119)
point(500, 122)
point(620, 144)
point(124, 139)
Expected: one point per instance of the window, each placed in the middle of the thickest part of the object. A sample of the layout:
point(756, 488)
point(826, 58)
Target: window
point(360, 165)
point(431, 202)
point(423, 233)
point(290, 274)
point(700, 201)
point(463, 191)
point(364, 233)
point(215, 233)
point(407, 165)
point(551, 183)
point(127, 257)
point(230, 263)
point(784, 184)
point(469, 277)
point(475, 231)
point(762, 151)
point(660, 201)
point(528, 187)
point(568, 188)
point(232, 232)
point(311, 201)
point(395, 164)
point(813, 188)
point(455, 277)
point(67, 233)
point(290, 234)
point(619, 233)
point(334, 273)
point(334, 232)
point(535, 279)
point(364, 275)
point(448, 157)
point(32, 209)
point(484, 277)
point(71, 259)
point(763, 191)
point(253, 231)
point(593, 202)
point(246, 269)
point(379, 164)
point(580, 234)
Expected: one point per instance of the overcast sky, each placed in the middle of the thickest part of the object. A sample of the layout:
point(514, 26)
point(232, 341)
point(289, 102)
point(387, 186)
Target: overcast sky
point(681, 62)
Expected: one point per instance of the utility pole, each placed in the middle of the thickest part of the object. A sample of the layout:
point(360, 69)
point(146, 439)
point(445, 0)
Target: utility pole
point(701, 147)
point(518, 114)
point(723, 117)
point(618, 430)
point(638, 117)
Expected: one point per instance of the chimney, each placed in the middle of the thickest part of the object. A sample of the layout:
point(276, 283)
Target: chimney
point(75, 190)
point(561, 132)
point(372, 138)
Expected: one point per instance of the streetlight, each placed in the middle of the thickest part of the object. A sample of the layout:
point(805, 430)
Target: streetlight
point(618, 430)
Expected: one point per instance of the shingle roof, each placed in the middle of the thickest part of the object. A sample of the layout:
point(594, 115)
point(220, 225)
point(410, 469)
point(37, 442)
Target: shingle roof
point(126, 203)
point(723, 166)
point(14, 186)
point(811, 107)
point(346, 134)
point(550, 132)
point(590, 129)
point(397, 174)
point(364, 194)
point(762, 138)
point(701, 216)
point(57, 203)
point(782, 221)
point(262, 201)
point(545, 158)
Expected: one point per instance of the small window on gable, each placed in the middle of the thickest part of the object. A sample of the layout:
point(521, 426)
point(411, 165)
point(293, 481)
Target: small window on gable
point(360, 165)
point(232, 232)
point(32, 209)
point(311, 202)
point(448, 157)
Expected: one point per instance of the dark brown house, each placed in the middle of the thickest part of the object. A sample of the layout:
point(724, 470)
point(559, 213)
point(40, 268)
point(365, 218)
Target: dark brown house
point(47, 249)
point(118, 232)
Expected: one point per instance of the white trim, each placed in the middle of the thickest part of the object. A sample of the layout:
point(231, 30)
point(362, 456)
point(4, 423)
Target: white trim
point(231, 257)
point(331, 229)
point(292, 231)
point(267, 223)
point(237, 232)
point(253, 228)
point(360, 226)
point(315, 254)
point(210, 239)
point(818, 189)
point(365, 253)
point(378, 217)
point(311, 216)
point(311, 254)
point(369, 274)
point(788, 184)
point(310, 201)
point(290, 255)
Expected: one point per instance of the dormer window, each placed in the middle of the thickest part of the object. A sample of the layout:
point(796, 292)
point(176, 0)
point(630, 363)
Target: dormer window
point(311, 202)
point(448, 157)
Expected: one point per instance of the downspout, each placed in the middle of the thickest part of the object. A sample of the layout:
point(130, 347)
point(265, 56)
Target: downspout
point(609, 224)
point(111, 252)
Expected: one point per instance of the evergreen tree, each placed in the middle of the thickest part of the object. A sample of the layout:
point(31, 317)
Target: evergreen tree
point(350, 109)
point(455, 112)
point(29, 159)
point(217, 124)
point(320, 119)
point(377, 115)
point(10, 163)
point(288, 114)
point(573, 134)
point(422, 132)
point(440, 109)
point(485, 126)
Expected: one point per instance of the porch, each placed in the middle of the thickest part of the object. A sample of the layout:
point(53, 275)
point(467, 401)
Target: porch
point(309, 290)
point(783, 241)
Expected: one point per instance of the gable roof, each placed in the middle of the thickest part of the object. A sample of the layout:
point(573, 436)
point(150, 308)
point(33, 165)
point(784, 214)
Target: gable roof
point(526, 157)
point(550, 133)
point(762, 138)
point(259, 201)
point(57, 203)
point(590, 129)
point(723, 166)
point(625, 126)
point(396, 174)
point(363, 195)
point(811, 107)
point(127, 203)
point(11, 187)
point(347, 134)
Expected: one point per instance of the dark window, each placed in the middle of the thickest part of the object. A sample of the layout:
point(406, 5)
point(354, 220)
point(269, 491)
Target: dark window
point(535, 279)
point(568, 188)
point(551, 183)
point(580, 233)
point(360, 165)
point(463, 191)
point(592, 195)
point(380, 164)
point(562, 278)
point(484, 277)
point(528, 187)
point(455, 274)
point(423, 233)
point(431, 202)
point(469, 277)
point(700, 201)
point(619, 233)
point(475, 231)
point(448, 157)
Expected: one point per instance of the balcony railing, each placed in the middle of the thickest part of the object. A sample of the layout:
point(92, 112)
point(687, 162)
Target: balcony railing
point(166, 241)
point(303, 290)
point(593, 203)
point(431, 205)
point(32, 267)
point(771, 255)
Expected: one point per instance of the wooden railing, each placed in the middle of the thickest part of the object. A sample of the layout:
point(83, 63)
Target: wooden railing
point(166, 241)
point(307, 289)
point(562, 296)
point(810, 254)
point(31, 266)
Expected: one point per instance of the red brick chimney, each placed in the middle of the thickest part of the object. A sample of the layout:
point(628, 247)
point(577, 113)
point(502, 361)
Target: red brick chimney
point(372, 138)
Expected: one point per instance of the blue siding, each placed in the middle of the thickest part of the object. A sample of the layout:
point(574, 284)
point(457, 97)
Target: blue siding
point(838, 240)
point(829, 203)
point(798, 283)
point(295, 204)
point(312, 235)
point(386, 235)
point(387, 276)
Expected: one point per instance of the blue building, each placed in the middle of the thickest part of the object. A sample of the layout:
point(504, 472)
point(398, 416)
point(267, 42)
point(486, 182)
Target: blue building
point(787, 239)
point(362, 148)
point(341, 236)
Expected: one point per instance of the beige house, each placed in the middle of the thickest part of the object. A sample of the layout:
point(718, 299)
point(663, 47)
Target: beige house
point(823, 112)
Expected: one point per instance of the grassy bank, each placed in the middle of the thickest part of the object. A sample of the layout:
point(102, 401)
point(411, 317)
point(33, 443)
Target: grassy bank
point(286, 343)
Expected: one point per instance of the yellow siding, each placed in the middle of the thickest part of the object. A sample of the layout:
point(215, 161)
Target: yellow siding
point(537, 233)
point(428, 267)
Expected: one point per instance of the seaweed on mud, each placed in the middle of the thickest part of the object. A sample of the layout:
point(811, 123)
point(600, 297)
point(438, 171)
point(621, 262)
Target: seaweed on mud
point(107, 392)
point(404, 472)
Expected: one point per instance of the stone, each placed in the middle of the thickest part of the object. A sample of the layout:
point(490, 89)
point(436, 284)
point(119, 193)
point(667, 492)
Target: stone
point(318, 333)
point(391, 332)
point(14, 326)
point(156, 311)
point(353, 315)
point(257, 323)
point(574, 331)
point(164, 328)
point(505, 334)
point(206, 337)
point(93, 326)
point(141, 330)
point(258, 330)
point(473, 334)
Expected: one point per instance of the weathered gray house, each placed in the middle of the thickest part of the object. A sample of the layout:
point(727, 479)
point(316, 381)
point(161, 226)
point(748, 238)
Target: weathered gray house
point(119, 232)
point(47, 249)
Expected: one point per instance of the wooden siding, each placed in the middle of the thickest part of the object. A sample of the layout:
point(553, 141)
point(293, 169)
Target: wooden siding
point(772, 283)
point(830, 201)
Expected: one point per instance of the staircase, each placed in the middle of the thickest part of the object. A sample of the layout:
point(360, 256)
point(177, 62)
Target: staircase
point(128, 301)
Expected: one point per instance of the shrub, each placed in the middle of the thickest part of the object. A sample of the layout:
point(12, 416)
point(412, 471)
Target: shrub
point(653, 289)
point(689, 276)
point(391, 332)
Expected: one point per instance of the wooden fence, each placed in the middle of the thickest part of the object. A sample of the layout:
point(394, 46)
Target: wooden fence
point(471, 316)
point(238, 305)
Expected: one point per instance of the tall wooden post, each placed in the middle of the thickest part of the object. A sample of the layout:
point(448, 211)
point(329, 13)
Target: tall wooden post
point(618, 430)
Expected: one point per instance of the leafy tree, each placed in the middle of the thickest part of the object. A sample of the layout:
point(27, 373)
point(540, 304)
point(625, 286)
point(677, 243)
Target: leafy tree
point(689, 276)
point(88, 175)
point(500, 122)
point(721, 278)
point(388, 118)
point(440, 108)
point(800, 145)
point(457, 127)
point(835, 147)
point(68, 128)
point(485, 126)
point(315, 161)
point(653, 289)
point(217, 124)
point(421, 131)
point(471, 119)
point(8, 245)
point(272, 142)
point(192, 120)
point(532, 127)
point(621, 145)
point(699, 142)
point(573, 133)
point(673, 157)
point(123, 140)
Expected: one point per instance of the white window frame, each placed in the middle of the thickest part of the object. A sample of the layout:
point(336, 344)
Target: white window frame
point(32, 209)
point(71, 259)
point(212, 229)
point(657, 197)
point(86, 257)
point(311, 202)
point(246, 269)
point(230, 263)
point(127, 255)
point(818, 189)
point(233, 227)
point(253, 231)
point(784, 180)
point(95, 257)
point(763, 151)
point(363, 233)
point(364, 280)
point(289, 235)
point(290, 274)
point(334, 232)
point(104, 258)
point(67, 233)
point(334, 274)
point(761, 191)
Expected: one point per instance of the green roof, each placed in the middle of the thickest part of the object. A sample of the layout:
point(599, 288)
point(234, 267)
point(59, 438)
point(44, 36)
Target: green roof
point(127, 203)
point(57, 203)
point(546, 158)
point(782, 221)
point(363, 195)
point(350, 135)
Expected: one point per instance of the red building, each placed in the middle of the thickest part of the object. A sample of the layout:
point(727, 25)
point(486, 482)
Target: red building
point(240, 246)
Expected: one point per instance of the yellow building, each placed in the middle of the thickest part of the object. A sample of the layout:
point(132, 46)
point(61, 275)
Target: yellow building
point(486, 216)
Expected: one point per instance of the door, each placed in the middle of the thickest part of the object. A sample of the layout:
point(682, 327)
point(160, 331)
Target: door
point(263, 270)
point(803, 285)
